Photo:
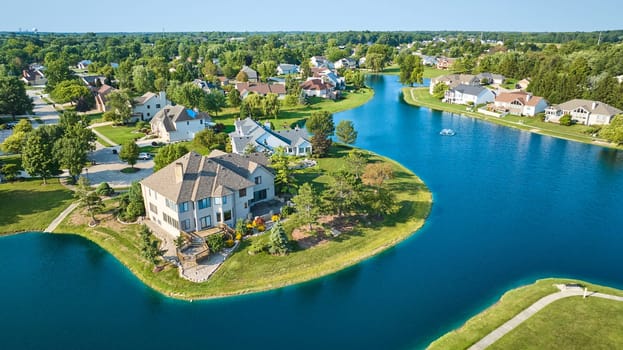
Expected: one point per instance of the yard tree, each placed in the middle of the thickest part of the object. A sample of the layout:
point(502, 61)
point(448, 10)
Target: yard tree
point(209, 69)
point(211, 140)
point(131, 203)
point(381, 202)
point(252, 106)
point(73, 91)
point(9, 171)
point(278, 240)
point(271, 105)
point(321, 125)
point(242, 77)
point(439, 90)
point(88, 198)
point(213, 102)
point(355, 163)
point(267, 69)
point(13, 97)
point(417, 74)
point(305, 69)
point(120, 107)
point(285, 182)
point(614, 131)
point(129, 153)
point(143, 79)
point(168, 154)
point(375, 174)
point(233, 98)
point(307, 204)
point(38, 157)
point(149, 246)
point(356, 79)
point(375, 62)
point(342, 194)
point(345, 132)
point(56, 71)
point(565, 120)
point(407, 64)
point(77, 140)
point(189, 95)
point(15, 142)
point(124, 74)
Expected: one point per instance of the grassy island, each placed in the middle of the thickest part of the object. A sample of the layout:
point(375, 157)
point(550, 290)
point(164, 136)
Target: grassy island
point(580, 133)
point(569, 323)
point(244, 273)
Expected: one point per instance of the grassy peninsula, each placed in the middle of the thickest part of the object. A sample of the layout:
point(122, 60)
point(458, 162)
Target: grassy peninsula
point(570, 323)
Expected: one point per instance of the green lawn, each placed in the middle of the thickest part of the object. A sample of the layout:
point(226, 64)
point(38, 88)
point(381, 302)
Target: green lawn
point(30, 205)
point(517, 300)
point(119, 134)
point(580, 133)
point(243, 273)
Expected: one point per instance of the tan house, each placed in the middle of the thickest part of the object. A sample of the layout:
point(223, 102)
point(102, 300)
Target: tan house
point(198, 192)
point(445, 62)
point(262, 89)
point(33, 77)
point(585, 112)
point(519, 103)
point(101, 97)
point(454, 80)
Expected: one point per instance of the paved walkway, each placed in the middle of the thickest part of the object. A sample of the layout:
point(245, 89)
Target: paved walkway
point(100, 135)
point(60, 217)
point(565, 292)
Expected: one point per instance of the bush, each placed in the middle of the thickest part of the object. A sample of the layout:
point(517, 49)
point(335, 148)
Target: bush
point(274, 218)
point(238, 236)
point(229, 243)
point(104, 189)
point(216, 242)
point(287, 211)
point(566, 120)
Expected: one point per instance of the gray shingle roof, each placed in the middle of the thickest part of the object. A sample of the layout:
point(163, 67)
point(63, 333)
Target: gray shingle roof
point(596, 107)
point(249, 131)
point(469, 89)
point(170, 115)
point(215, 175)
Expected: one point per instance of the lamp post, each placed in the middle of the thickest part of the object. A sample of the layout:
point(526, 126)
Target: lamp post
point(87, 173)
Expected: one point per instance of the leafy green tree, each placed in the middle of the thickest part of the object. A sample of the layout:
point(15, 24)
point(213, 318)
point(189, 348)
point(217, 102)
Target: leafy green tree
point(252, 106)
point(267, 69)
point(15, 142)
point(72, 91)
point(407, 64)
point(307, 205)
point(614, 131)
point(355, 78)
point(211, 140)
point(120, 106)
point(285, 183)
point(124, 74)
point(131, 204)
point(213, 102)
point(38, 157)
point(439, 90)
point(13, 97)
point(143, 79)
point(242, 77)
point(278, 240)
point(271, 105)
point(342, 195)
point(565, 120)
point(104, 189)
point(72, 156)
point(305, 70)
point(209, 68)
point(381, 202)
point(189, 95)
point(56, 71)
point(355, 163)
point(168, 154)
point(233, 98)
point(345, 132)
point(321, 125)
point(149, 246)
point(9, 171)
point(216, 242)
point(417, 74)
point(129, 152)
point(88, 198)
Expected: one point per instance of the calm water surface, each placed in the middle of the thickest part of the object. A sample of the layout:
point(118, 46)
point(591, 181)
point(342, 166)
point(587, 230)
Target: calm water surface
point(510, 207)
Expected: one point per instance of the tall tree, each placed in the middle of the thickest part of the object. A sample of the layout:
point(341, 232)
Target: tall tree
point(267, 69)
point(345, 132)
point(129, 153)
point(278, 240)
point(149, 246)
point(73, 91)
point(120, 107)
point(233, 98)
point(407, 64)
point(15, 142)
point(285, 183)
point(189, 95)
point(143, 79)
point(271, 105)
point(307, 206)
point(77, 140)
point(614, 131)
point(213, 102)
point(321, 125)
point(13, 97)
point(88, 198)
point(342, 194)
point(56, 70)
point(38, 157)
point(355, 163)
point(168, 154)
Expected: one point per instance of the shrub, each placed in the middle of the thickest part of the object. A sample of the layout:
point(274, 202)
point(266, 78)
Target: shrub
point(104, 189)
point(566, 120)
point(216, 242)
point(274, 218)
point(229, 243)
point(238, 236)
point(287, 211)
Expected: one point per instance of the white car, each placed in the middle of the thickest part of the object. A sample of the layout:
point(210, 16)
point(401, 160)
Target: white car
point(144, 156)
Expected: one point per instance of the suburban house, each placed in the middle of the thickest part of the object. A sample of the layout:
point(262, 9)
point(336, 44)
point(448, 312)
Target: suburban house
point(445, 62)
point(93, 81)
point(317, 87)
point(490, 78)
point(251, 135)
point(198, 192)
point(429, 61)
point(585, 112)
point(178, 123)
point(262, 89)
point(33, 77)
point(252, 75)
point(454, 80)
point(100, 97)
point(466, 94)
point(519, 103)
point(286, 68)
point(347, 62)
point(522, 84)
point(320, 61)
point(84, 64)
point(329, 77)
point(146, 106)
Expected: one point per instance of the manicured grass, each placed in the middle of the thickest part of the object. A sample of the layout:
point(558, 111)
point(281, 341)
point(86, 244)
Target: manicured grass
point(243, 273)
point(432, 72)
point(30, 205)
point(102, 141)
point(571, 323)
point(580, 133)
point(516, 301)
point(119, 134)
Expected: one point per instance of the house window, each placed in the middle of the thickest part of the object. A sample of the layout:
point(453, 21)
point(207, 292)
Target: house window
point(170, 204)
point(246, 205)
point(301, 150)
point(157, 105)
point(258, 180)
point(204, 203)
point(259, 195)
point(148, 114)
point(171, 221)
point(187, 123)
point(205, 222)
point(148, 106)
point(153, 208)
point(183, 207)
point(185, 224)
point(225, 216)
point(220, 200)
point(242, 192)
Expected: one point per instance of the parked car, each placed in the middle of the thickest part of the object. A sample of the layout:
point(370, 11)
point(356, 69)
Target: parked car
point(144, 156)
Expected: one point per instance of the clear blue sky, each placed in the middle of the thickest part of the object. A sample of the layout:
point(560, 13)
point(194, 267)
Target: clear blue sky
point(304, 15)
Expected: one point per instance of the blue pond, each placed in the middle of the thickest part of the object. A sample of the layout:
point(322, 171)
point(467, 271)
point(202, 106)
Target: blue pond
point(510, 207)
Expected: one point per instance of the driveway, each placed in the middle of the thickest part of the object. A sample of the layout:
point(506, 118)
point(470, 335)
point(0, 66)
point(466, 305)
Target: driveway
point(108, 169)
point(42, 110)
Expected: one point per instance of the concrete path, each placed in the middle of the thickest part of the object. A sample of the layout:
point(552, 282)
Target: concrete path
point(61, 217)
point(565, 292)
point(100, 135)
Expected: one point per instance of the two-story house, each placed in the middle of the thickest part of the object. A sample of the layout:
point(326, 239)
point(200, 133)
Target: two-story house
point(252, 136)
point(198, 192)
point(145, 107)
point(585, 112)
point(178, 123)
point(469, 94)
point(519, 103)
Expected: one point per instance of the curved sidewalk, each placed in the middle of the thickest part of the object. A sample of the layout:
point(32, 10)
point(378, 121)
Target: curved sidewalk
point(565, 292)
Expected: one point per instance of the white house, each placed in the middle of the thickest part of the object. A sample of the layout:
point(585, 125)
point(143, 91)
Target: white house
point(178, 123)
point(252, 136)
point(519, 103)
point(146, 106)
point(454, 80)
point(285, 69)
point(33, 77)
point(317, 87)
point(347, 62)
point(84, 64)
point(585, 112)
point(466, 94)
point(197, 192)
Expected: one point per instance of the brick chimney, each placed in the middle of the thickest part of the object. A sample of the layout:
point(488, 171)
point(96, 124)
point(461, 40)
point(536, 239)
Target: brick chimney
point(179, 172)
